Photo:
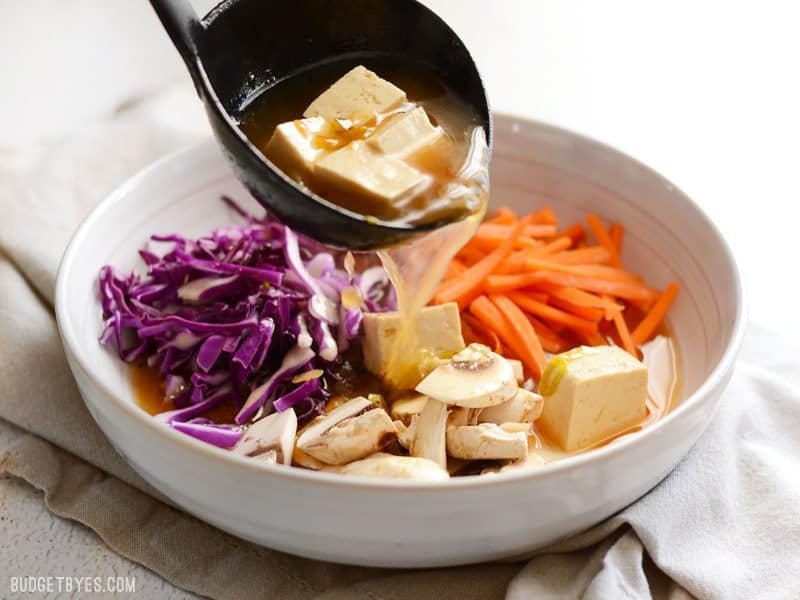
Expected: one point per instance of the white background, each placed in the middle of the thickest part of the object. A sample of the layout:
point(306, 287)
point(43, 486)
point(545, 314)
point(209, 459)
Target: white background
point(706, 92)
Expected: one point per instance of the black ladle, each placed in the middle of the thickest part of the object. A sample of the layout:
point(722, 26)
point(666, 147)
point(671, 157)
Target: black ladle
point(243, 47)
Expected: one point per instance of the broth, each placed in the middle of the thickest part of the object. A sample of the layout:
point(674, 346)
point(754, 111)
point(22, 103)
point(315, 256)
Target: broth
point(446, 199)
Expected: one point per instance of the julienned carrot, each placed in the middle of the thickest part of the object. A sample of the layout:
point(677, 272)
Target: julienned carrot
point(578, 297)
point(498, 284)
point(545, 216)
point(521, 328)
point(517, 261)
point(653, 319)
point(491, 317)
point(503, 216)
point(551, 341)
point(469, 255)
point(629, 290)
point(616, 233)
point(575, 232)
point(590, 313)
point(454, 269)
point(583, 256)
point(549, 313)
point(534, 231)
point(467, 287)
point(592, 338)
point(557, 245)
point(488, 240)
point(601, 234)
point(474, 331)
point(624, 334)
point(599, 271)
point(524, 287)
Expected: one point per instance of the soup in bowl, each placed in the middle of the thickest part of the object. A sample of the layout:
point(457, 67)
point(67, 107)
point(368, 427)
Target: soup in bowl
point(495, 507)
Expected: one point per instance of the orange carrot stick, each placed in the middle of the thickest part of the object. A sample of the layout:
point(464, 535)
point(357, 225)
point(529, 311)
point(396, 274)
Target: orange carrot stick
point(601, 234)
point(557, 245)
point(575, 232)
point(492, 231)
point(469, 285)
point(598, 271)
point(545, 216)
point(550, 313)
point(551, 341)
point(583, 256)
point(616, 233)
point(503, 216)
point(491, 317)
point(650, 323)
point(522, 329)
point(629, 290)
point(579, 297)
point(488, 240)
point(590, 313)
point(454, 269)
point(624, 334)
point(470, 255)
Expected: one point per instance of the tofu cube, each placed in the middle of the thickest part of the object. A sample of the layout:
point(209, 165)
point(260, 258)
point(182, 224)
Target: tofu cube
point(357, 96)
point(292, 146)
point(361, 171)
point(404, 134)
point(591, 394)
point(438, 330)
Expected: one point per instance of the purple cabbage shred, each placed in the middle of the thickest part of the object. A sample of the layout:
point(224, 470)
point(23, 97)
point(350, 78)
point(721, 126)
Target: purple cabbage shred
point(233, 316)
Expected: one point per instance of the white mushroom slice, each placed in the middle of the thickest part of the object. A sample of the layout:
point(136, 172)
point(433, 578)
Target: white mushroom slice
point(301, 459)
point(274, 432)
point(486, 441)
point(476, 377)
point(429, 433)
point(405, 408)
point(460, 416)
point(524, 407)
point(352, 431)
point(516, 427)
point(270, 456)
point(519, 372)
point(390, 466)
point(405, 434)
point(533, 460)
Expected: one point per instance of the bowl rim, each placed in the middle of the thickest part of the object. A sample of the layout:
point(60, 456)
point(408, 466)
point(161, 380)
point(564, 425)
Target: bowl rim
point(306, 476)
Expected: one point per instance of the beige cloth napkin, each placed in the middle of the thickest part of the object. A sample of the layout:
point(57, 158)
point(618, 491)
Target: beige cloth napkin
point(709, 528)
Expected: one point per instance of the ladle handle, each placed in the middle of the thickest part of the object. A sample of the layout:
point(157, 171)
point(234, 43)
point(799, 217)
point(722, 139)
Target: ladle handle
point(181, 22)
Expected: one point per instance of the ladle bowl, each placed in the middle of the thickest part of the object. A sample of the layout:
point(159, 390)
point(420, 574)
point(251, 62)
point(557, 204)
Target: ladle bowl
point(243, 48)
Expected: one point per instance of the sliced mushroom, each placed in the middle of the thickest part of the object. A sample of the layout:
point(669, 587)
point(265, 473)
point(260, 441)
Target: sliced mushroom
point(533, 460)
point(486, 441)
point(274, 432)
point(524, 407)
point(405, 408)
point(354, 430)
point(476, 377)
point(519, 372)
point(301, 459)
point(405, 434)
point(429, 433)
point(395, 467)
point(516, 427)
point(270, 456)
point(460, 416)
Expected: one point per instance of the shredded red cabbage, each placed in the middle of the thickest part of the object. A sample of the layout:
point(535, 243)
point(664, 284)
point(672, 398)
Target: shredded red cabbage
point(233, 316)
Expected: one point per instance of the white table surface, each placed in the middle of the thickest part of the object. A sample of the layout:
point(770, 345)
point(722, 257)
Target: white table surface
point(707, 93)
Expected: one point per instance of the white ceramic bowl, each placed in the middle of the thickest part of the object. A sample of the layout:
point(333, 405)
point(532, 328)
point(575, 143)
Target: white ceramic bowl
point(399, 524)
